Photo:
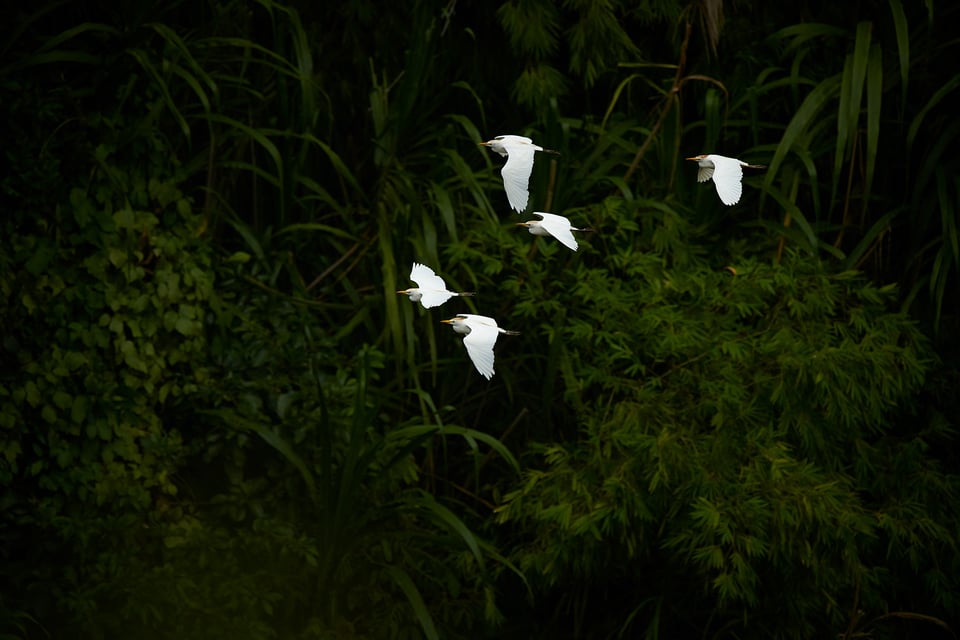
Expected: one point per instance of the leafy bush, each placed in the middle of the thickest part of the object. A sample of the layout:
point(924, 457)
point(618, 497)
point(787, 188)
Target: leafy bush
point(738, 427)
point(105, 300)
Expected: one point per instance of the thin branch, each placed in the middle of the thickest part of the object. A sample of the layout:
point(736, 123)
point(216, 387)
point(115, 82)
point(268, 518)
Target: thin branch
point(336, 264)
point(669, 100)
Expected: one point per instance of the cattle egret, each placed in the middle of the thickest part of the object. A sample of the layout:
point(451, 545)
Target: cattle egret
point(480, 335)
point(431, 290)
point(516, 172)
point(726, 173)
point(553, 225)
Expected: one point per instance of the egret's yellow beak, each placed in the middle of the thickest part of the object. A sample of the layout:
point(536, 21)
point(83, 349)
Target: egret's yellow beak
point(450, 321)
point(522, 224)
point(484, 144)
point(694, 158)
point(404, 291)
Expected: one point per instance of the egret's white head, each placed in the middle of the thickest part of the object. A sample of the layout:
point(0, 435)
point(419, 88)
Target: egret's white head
point(702, 159)
point(458, 324)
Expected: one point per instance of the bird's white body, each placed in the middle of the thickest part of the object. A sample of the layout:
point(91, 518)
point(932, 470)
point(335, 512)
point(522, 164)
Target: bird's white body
point(551, 224)
point(480, 334)
point(727, 174)
point(519, 151)
point(431, 290)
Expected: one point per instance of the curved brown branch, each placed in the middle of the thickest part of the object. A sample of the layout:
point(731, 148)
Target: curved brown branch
point(669, 100)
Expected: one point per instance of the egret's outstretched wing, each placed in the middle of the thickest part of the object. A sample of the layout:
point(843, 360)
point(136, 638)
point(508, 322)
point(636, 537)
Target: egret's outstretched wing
point(727, 176)
point(426, 278)
point(474, 320)
point(559, 228)
point(705, 173)
point(514, 140)
point(430, 298)
point(516, 174)
point(479, 343)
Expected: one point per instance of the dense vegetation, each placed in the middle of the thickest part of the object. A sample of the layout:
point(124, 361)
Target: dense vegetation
point(219, 420)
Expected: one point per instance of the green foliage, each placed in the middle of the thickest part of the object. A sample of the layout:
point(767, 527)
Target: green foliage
point(104, 301)
point(140, 377)
point(737, 437)
point(841, 125)
point(220, 420)
point(371, 538)
point(594, 33)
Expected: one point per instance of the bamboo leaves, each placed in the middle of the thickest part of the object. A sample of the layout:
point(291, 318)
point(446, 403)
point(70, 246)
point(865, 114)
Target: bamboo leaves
point(722, 467)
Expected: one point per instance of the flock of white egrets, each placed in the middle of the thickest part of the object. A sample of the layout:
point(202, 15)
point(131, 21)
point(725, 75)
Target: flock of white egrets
point(480, 332)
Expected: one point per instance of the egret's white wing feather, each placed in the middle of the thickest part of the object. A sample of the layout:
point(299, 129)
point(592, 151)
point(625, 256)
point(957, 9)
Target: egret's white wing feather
point(727, 177)
point(476, 320)
point(426, 278)
point(705, 173)
point(516, 175)
point(479, 343)
point(430, 298)
point(559, 228)
point(510, 140)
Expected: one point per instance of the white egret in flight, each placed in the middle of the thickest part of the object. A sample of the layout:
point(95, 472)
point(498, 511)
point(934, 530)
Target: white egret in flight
point(431, 290)
point(553, 225)
point(480, 335)
point(726, 173)
point(516, 172)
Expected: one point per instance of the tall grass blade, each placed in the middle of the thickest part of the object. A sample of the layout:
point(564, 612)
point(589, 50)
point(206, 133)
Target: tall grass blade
point(616, 98)
point(448, 519)
point(255, 134)
point(162, 85)
point(57, 56)
point(946, 264)
point(174, 40)
point(275, 440)
point(804, 118)
point(326, 229)
point(852, 260)
point(851, 95)
point(933, 159)
point(253, 243)
point(487, 439)
point(800, 34)
point(934, 100)
point(339, 165)
point(21, 26)
point(402, 579)
point(713, 117)
point(73, 32)
point(902, 29)
point(813, 244)
point(471, 436)
point(874, 104)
